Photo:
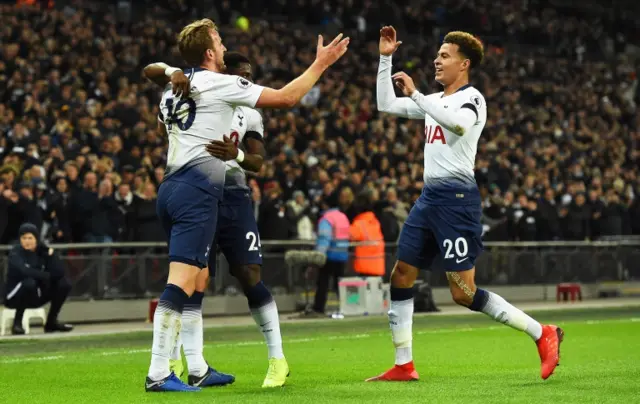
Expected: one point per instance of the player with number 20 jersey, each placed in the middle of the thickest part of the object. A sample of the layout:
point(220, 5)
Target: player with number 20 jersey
point(443, 226)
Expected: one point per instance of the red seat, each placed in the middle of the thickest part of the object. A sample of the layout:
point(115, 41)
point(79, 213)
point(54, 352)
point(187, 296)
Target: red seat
point(566, 289)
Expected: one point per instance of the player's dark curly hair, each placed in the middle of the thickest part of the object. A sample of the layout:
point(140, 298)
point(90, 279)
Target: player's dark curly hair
point(468, 45)
point(232, 60)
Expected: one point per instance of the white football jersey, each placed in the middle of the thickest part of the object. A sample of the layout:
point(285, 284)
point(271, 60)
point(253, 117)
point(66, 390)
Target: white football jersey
point(445, 153)
point(449, 159)
point(194, 121)
point(449, 151)
point(244, 120)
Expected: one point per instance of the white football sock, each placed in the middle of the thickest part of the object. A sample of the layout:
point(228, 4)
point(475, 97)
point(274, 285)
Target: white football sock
point(401, 322)
point(166, 327)
point(193, 340)
point(504, 312)
point(175, 354)
point(266, 317)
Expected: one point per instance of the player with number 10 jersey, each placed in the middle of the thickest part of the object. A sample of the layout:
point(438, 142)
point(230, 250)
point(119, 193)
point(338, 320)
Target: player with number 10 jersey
point(190, 193)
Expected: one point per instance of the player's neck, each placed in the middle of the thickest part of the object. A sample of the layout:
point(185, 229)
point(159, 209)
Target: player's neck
point(456, 85)
point(211, 66)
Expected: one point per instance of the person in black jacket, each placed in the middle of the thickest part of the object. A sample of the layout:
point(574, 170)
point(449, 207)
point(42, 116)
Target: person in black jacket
point(35, 277)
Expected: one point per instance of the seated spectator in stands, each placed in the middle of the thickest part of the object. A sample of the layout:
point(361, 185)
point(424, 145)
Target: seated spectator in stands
point(35, 277)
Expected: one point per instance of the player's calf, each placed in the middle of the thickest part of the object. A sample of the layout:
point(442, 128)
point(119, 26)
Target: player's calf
point(262, 305)
point(265, 313)
point(465, 292)
point(192, 340)
point(400, 315)
point(167, 325)
point(547, 338)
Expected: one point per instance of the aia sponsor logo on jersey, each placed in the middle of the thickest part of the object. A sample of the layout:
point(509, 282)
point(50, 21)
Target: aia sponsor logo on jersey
point(434, 134)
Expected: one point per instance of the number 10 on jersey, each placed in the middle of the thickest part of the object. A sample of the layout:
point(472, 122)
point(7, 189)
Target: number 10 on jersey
point(176, 115)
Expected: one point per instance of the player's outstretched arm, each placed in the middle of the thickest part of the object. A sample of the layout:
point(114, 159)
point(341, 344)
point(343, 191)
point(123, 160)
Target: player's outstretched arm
point(386, 97)
point(292, 93)
point(457, 120)
point(162, 74)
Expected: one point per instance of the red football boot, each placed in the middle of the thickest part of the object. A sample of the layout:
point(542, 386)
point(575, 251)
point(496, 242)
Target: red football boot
point(549, 349)
point(398, 373)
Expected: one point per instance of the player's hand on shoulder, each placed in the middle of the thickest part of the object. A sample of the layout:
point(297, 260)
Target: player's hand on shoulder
point(404, 82)
point(180, 84)
point(388, 43)
point(224, 150)
point(328, 55)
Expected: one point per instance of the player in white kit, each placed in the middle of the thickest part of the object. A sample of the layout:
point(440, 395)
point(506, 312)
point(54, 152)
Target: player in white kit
point(192, 188)
point(444, 224)
point(237, 235)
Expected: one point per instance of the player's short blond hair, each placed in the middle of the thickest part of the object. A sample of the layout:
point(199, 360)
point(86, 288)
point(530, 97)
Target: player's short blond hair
point(468, 45)
point(195, 39)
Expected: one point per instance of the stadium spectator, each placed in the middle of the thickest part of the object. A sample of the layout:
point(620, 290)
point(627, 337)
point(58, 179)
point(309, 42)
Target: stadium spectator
point(527, 228)
point(577, 219)
point(563, 103)
point(548, 220)
point(273, 223)
point(299, 215)
point(147, 227)
point(35, 277)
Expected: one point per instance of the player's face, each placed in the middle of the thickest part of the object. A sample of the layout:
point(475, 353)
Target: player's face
point(217, 53)
point(244, 71)
point(449, 64)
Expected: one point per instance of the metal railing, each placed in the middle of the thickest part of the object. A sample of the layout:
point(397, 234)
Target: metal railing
point(136, 270)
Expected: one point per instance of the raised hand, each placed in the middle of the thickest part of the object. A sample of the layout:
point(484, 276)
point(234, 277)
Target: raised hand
point(388, 43)
point(329, 54)
point(404, 82)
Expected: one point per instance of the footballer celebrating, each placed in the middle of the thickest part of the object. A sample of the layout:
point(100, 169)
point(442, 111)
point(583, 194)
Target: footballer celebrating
point(192, 188)
point(444, 223)
point(236, 236)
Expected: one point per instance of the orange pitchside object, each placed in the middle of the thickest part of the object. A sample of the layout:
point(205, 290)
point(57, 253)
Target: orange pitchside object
point(369, 257)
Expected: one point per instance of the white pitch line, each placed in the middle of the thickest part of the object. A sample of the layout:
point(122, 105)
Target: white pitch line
point(302, 340)
point(33, 359)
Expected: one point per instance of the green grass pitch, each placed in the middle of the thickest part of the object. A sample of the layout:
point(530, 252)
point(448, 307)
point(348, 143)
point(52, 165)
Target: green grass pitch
point(461, 359)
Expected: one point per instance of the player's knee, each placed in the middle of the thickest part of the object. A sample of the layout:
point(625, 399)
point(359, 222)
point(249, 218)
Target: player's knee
point(247, 275)
point(403, 275)
point(462, 290)
point(183, 276)
point(461, 298)
point(202, 280)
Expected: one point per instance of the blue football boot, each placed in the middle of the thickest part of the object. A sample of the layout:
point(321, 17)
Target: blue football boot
point(212, 378)
point(169, 383)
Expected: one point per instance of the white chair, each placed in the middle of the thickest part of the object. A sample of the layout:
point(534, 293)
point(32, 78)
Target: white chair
point(7, 316)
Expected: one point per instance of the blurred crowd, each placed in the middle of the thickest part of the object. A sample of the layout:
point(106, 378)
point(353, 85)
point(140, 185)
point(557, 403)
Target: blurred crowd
point(81, 156)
